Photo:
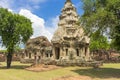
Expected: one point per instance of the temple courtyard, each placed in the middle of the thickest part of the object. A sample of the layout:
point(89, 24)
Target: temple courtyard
point(19, 72)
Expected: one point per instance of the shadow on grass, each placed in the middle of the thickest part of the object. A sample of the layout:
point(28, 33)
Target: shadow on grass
point(99, 73)
point(16, 67)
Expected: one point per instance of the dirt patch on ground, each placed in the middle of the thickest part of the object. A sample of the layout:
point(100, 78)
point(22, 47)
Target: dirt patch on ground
point(74, 78)
point(42, 67)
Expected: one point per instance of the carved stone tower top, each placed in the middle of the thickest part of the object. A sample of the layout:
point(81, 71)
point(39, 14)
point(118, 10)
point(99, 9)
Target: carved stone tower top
point(69, 15)
point(67, 26)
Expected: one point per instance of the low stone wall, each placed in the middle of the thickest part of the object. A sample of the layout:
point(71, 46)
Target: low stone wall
point(79, 63)
point(48, 61)
point(3, 58)
point(110, 60)
point(106, 56)
point(113, 60)
point(66, 63)
point(27, 60)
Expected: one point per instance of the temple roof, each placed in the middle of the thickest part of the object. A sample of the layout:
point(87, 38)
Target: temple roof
point(38, 43)
point(67, 26)
point(69, 15)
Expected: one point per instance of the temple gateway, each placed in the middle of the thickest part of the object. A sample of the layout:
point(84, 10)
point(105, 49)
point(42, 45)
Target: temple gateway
point(69, 40)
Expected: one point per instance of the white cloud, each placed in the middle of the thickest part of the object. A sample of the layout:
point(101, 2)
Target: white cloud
point(52, 24)
point(16, 5)
point(5, 3)
point(2, 47)
point(40, 27)
point(10, 10)
point(38, 24)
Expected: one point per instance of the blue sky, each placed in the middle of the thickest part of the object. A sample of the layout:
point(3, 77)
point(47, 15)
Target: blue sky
point(52, 8)
point(43, 13)
point(43, 8)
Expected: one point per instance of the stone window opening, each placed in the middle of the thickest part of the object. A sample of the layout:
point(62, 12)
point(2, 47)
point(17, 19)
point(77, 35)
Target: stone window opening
point(47, 55)
point(30, 55)
point(35, 56)
point(22, 56)
point(26, 54)
point(57, 52)
point(85, 51)
point(66, 52)
point(77, 52)
point(39, 57)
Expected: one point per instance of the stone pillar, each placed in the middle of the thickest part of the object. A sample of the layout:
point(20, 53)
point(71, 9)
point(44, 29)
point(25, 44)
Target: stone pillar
point(87, 53)
point(82, 52)
point(44, 55)
point(64, 52)
point(53, 51)
point(61, 52)
point(48, 55)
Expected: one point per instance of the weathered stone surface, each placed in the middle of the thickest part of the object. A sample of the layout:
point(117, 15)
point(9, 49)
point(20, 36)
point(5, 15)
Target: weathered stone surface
point(108, 56)
point(69, 40)
point(36, 49)
point(70, 45)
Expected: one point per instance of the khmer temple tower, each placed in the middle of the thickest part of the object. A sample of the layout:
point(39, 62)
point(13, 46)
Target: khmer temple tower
point(69, 39)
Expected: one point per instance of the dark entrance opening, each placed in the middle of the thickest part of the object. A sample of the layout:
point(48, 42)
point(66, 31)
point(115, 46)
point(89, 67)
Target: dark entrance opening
point(85, 51)
point(30, 55)
point(66, 52)
point(57, 52)
point(77, 51)
point(47, 55)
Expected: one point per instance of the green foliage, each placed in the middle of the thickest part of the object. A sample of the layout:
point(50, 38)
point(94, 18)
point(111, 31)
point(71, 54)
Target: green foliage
point(117, 43)
point(99, 42)
point(14, 29)
point(3, 51)
point(17, 48)
point(102, 15)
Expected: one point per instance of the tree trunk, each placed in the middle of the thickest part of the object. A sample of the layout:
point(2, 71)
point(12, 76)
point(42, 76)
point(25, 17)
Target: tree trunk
point(9, 60)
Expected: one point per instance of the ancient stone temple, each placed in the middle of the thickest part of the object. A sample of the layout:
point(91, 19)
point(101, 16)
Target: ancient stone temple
point(69, 40)
point(36, 49)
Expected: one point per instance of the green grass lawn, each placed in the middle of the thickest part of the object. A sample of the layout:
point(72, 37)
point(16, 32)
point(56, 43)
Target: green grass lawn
point(17, 72)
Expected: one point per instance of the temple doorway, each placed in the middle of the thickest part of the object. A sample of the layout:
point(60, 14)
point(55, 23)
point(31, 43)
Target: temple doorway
point(57, 52)
point(77, 52)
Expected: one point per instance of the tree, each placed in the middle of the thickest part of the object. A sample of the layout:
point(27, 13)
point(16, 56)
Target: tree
point(103, 15)
point(99, 41)
point(14, 29)
point(17, 48)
